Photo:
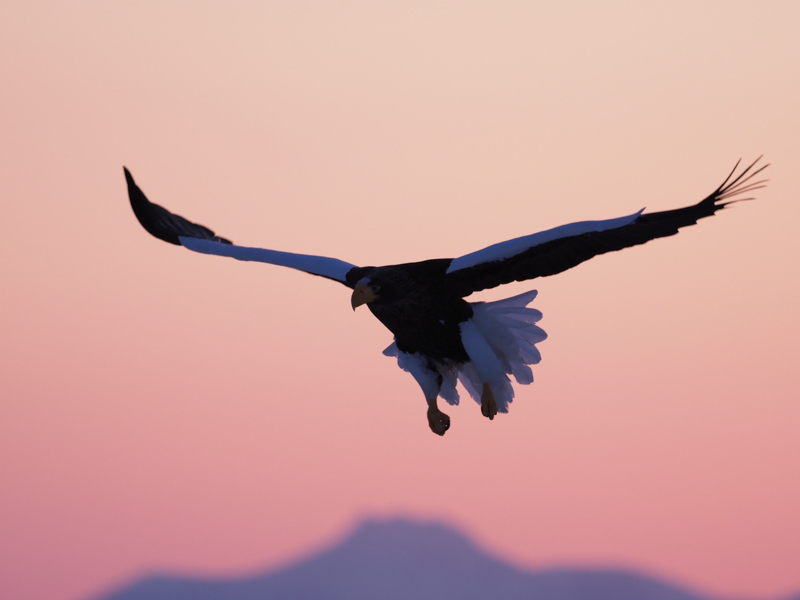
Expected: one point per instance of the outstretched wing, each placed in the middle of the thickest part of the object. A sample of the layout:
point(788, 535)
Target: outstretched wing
point(164, 225)
point(562, 248)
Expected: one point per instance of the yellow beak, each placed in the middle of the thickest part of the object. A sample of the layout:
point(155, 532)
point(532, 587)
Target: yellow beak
point(361, 295)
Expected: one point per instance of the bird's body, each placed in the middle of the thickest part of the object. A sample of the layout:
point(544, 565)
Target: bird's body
point(439, 336)
point(418, 307)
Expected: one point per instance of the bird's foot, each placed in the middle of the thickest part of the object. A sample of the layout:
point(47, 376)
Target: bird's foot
point(437, 420)
point(488, 403)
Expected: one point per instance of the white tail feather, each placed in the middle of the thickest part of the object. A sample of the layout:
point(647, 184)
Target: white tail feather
point(501, 332)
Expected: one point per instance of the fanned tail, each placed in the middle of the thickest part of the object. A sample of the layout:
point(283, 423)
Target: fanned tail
point(508, 334)
point(510, 329)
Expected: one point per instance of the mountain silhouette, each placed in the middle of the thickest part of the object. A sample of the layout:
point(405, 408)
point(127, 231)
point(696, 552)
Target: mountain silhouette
point(405, 560)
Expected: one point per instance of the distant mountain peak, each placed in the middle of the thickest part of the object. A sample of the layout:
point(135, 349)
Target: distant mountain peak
point(408, 559)
point(402, 532)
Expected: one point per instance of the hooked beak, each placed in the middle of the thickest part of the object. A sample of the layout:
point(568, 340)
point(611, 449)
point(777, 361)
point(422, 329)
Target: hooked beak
point(361, 295)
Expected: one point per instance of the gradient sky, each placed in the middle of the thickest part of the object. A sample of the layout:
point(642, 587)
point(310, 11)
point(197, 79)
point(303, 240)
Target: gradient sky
point(165, 410)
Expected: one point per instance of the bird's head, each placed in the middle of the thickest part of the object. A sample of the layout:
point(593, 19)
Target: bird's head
point(365, 291)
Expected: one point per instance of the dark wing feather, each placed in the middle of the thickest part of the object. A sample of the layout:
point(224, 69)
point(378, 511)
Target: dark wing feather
point(558, 255)
point(174, 229)
point(161, 223)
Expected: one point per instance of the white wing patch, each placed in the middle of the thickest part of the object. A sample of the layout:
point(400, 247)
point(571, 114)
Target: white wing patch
point(519, 245)
point(316, 265)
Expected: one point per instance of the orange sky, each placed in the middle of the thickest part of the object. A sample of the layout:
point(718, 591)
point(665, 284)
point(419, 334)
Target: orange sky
point(165, 410)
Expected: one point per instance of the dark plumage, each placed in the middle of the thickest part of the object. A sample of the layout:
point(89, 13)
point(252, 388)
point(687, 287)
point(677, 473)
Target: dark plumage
point(417, 305)
point(163, 224)
point(438, 335)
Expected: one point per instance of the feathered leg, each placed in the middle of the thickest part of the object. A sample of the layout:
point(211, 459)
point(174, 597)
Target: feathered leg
point(488, 366)
point(429, 379)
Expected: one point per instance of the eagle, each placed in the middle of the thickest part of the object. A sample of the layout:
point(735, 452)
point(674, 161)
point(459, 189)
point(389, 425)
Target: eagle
point(439, 337)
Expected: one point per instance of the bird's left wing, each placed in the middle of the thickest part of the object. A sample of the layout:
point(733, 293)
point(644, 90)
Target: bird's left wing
point(556, 250)
point(174, 229)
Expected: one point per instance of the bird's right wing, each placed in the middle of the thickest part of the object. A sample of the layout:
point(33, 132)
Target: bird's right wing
point(174, 229)
point(556, 250)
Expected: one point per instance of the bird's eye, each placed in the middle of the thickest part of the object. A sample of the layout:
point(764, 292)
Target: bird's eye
point(376, 289)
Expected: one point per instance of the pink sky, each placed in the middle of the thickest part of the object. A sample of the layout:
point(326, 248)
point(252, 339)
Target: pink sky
point(165, 410)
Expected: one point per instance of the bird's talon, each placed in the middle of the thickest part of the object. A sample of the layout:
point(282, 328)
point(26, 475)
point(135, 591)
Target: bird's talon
point(488, 403)
point(437, 420)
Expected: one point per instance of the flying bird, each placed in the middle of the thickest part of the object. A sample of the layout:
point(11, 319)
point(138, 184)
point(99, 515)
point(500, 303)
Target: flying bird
point(439, 337)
